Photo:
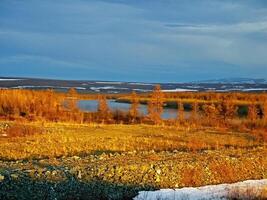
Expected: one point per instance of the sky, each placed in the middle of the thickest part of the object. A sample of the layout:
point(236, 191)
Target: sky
point(133, 40)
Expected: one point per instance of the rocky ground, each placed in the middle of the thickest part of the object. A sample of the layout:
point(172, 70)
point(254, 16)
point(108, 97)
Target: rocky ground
point(122, 175)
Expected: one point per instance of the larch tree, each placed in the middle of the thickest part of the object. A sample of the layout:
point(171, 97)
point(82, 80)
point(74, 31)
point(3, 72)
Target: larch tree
point(180, 113)
point(72, 92)
point(228, 110)
point(264, 110)
point(253, 112)
point(31, 104)
point(103, 111)
point(134, 107)
point(72, 100)
point(211, 113)
point(194, 111)
point(155, 105)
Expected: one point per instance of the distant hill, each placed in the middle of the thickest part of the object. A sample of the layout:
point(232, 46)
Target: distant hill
point(100, 86)
point(235, 81)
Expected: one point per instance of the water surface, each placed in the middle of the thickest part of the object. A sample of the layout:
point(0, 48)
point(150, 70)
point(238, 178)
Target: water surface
point(91, 106)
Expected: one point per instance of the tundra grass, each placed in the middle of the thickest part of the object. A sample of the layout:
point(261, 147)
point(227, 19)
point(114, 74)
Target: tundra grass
point(65, 139)
point(74, 161)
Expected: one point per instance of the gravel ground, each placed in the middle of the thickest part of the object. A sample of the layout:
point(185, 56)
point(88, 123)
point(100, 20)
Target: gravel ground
point(122, 175)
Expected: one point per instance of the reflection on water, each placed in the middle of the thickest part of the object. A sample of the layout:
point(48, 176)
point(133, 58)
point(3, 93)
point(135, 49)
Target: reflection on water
point(91, 105)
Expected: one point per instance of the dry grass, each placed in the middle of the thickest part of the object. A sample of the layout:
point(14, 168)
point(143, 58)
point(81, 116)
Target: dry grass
point(193, 176)
point(248, 193)
point(62, 139)
point(22, 130)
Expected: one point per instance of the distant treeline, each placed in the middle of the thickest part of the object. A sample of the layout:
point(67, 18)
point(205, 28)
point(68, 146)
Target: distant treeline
point(246, 110)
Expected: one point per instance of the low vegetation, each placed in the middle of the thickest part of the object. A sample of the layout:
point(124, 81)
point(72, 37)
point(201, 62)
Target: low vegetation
point(248, 193)
point(64, 139)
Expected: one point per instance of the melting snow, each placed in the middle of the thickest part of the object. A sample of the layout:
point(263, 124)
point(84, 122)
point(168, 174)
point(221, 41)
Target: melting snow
point(255, 89)
point(103, 82)
point(142, 90)
point(180, 90)
point(47, 86)
point(141, 84)
point(194, 86)
point(221, 191)
point(10, 79)
point(107, 88)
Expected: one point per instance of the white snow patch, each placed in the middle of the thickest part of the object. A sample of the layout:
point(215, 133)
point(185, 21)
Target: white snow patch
point(111, 83)
point(194, 86)
point(244, 90)
point(80, 88)
point(141, 84)
point(10, 79)
point(142, 90)
point(223, 90)
point(108, 88)
point(254, 89)
point(239, 86)
point(229, 90)
point(180, 90)
point(46, 86)
point(221, 191)
point(103, 88)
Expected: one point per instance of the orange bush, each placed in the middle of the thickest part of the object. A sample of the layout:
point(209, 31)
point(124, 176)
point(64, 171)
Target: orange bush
point(21, 130)
point(192, 177)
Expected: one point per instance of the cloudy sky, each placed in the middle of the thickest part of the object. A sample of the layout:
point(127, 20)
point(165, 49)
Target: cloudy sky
point(133, 40)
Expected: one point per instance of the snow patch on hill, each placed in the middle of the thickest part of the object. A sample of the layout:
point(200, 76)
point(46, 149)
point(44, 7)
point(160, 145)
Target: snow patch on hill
point(10, 79)
point(45, 86)
point(180, 90)
point(107, 82)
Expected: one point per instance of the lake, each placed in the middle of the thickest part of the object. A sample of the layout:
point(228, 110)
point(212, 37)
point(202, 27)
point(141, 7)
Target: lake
point(91, 106)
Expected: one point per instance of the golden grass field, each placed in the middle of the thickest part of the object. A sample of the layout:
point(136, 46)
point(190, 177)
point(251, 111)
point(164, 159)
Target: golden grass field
point(65, 139)
point(125, 158)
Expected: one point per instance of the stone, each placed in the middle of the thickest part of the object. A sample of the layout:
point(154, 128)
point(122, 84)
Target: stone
point(47, 173)
point(2, 178)
point(76, 158)
point(157, 178)
point(79, 175)
point(14, 176)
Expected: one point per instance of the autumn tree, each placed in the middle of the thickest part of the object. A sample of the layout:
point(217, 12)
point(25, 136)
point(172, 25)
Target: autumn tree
point(134, 107)
point(71, 101)
point(194, 111)
point(227, 109)
point(180, 113)
point(155, 105)
point(264, 110)
point(72, 92)
point(253, 112)
point(31, 104)
point(103, 110)
point(211, 113)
